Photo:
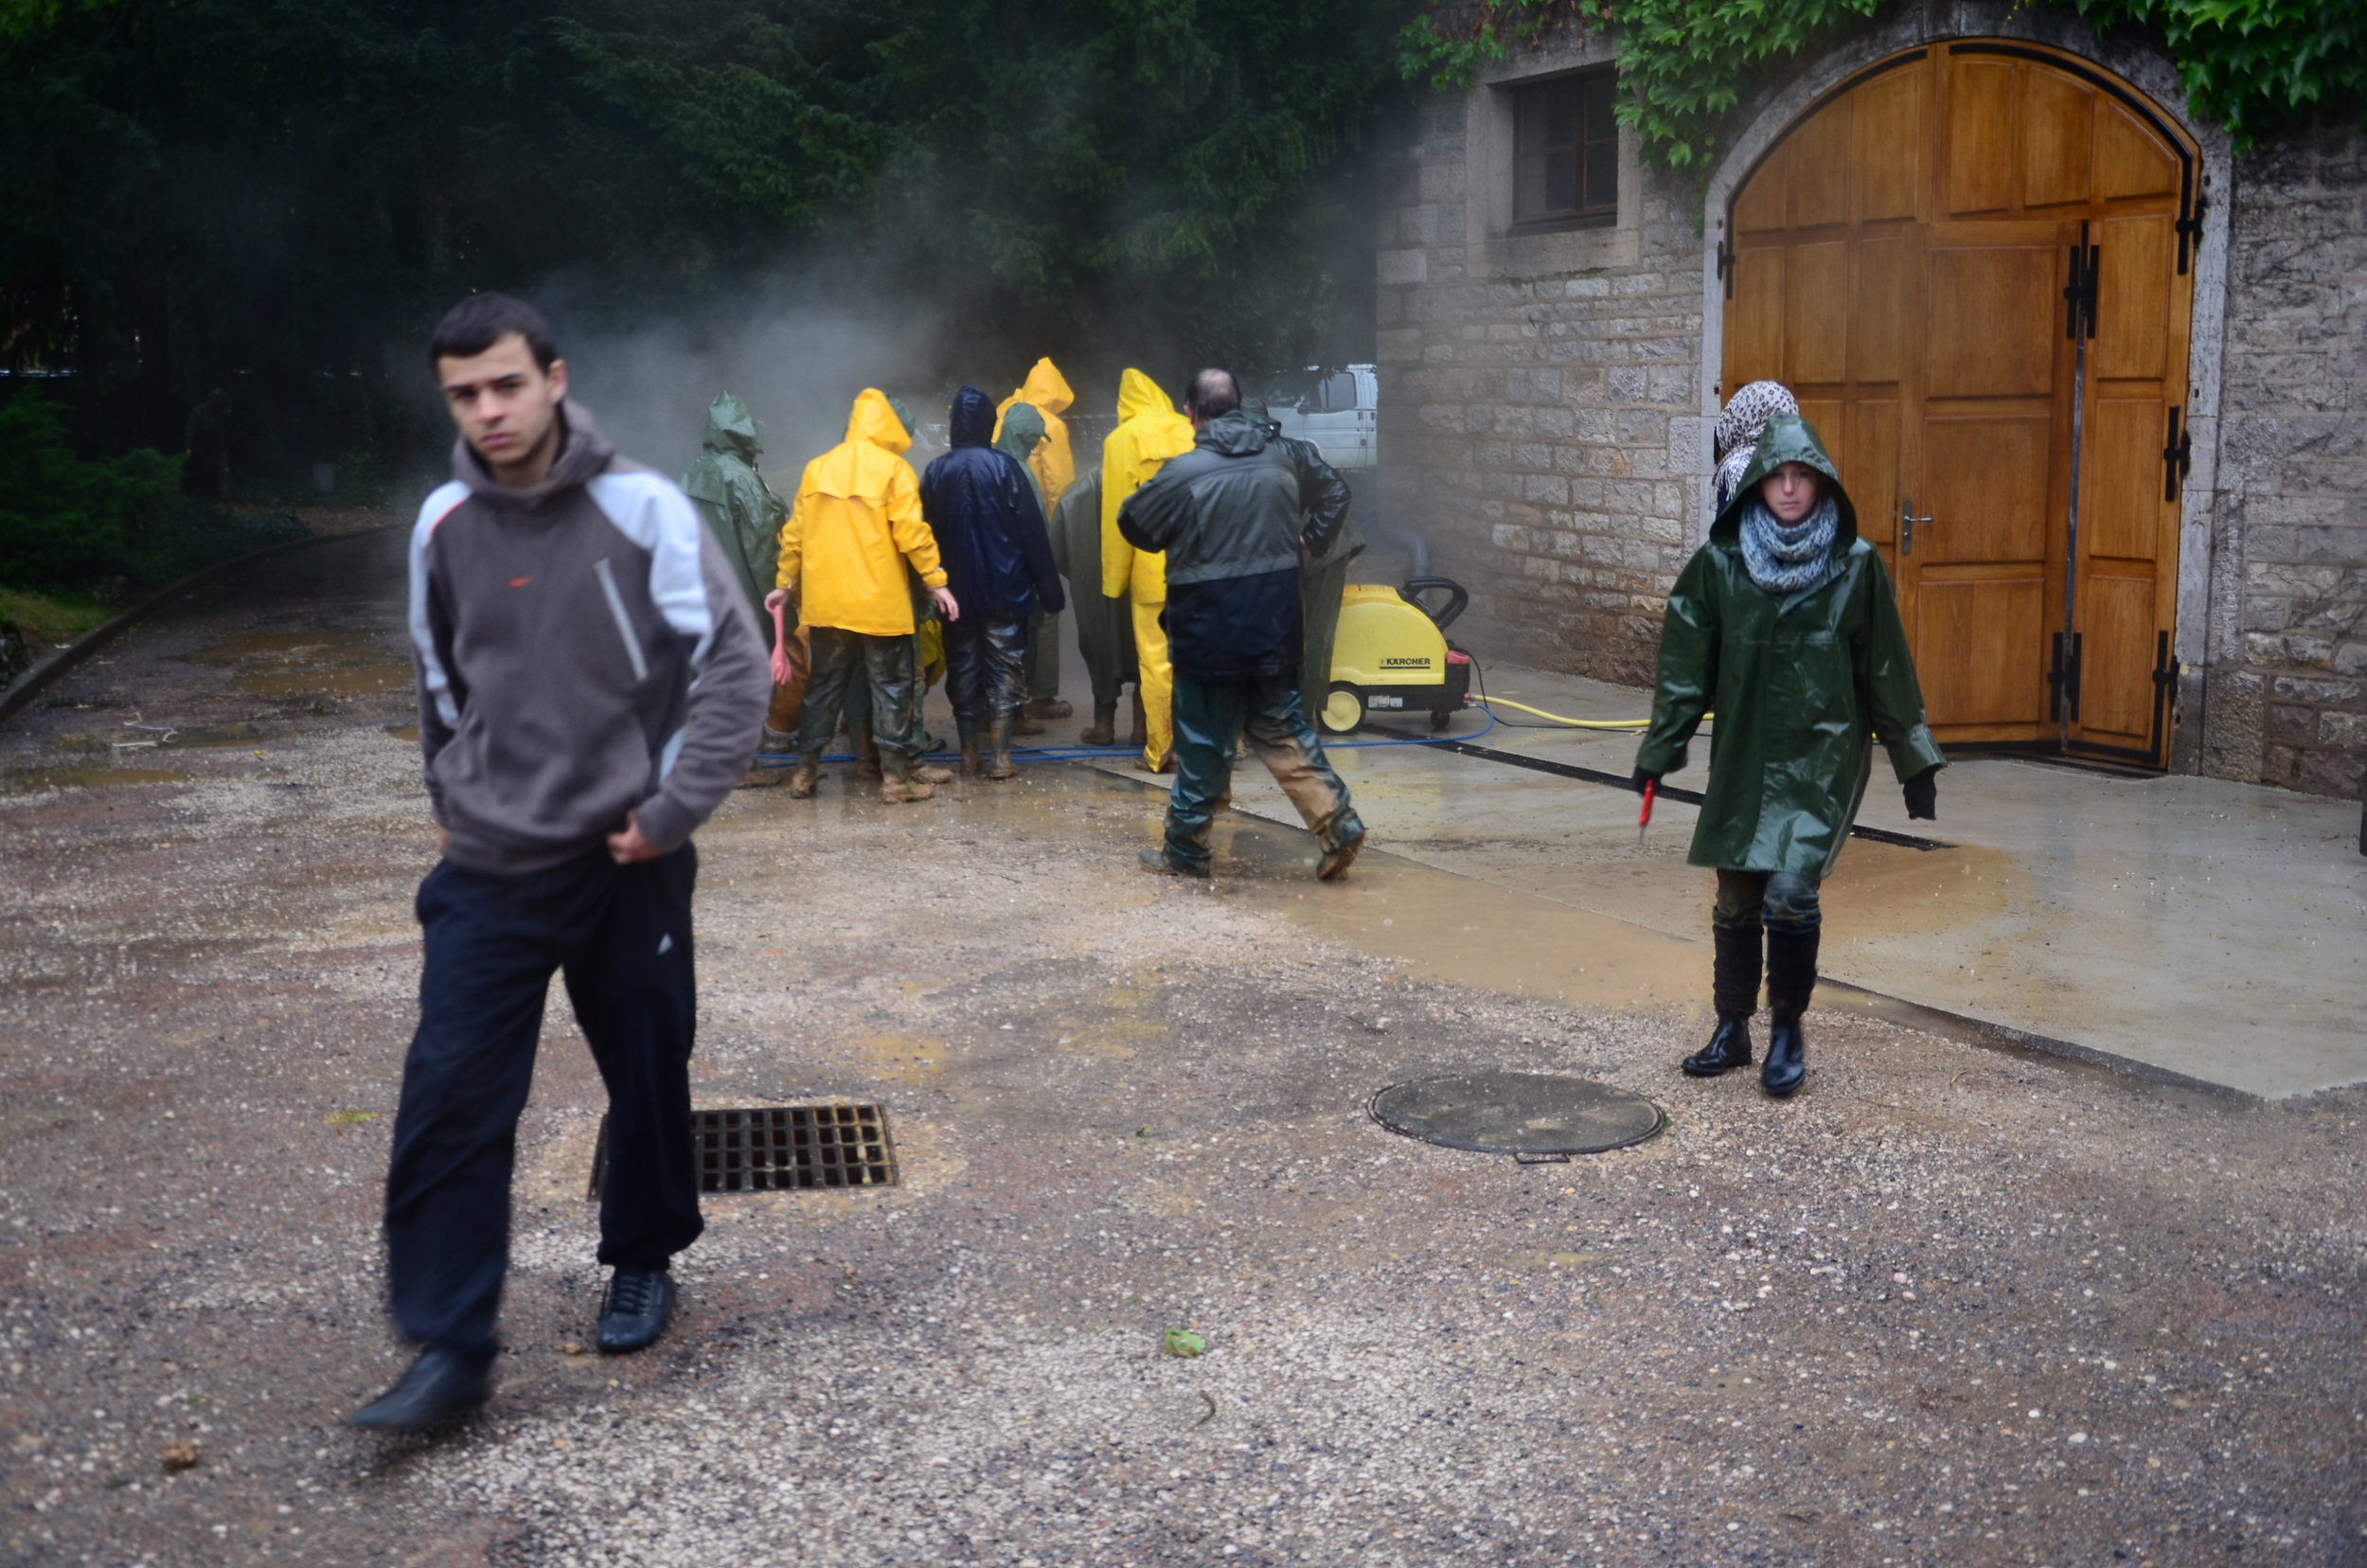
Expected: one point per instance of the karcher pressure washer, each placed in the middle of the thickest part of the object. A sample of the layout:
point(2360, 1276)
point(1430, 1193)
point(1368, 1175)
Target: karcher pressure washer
point(1392, 654)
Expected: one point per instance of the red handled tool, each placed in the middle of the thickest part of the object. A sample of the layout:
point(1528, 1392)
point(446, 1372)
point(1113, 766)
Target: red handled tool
point(1643, 818)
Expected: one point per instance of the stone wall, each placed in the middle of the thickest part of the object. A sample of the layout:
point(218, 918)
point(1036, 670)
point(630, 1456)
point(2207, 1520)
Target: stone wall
point(2284, 697)
point(1539, 427)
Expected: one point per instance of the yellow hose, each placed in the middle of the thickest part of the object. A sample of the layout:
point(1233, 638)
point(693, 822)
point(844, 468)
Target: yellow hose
point(1628, 724)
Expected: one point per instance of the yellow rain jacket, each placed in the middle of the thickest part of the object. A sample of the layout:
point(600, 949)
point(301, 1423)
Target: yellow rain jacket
point(856, 522)
point(1047, 393)
point(1149, 432)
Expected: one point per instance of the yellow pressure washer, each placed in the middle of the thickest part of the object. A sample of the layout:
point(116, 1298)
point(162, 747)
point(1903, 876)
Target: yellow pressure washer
point(1391, 654)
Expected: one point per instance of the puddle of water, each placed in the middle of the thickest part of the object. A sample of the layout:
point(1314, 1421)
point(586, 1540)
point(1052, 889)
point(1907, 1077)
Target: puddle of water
point(87, 778)
point(294, 664)
point(1893, 889)
point(409, 733)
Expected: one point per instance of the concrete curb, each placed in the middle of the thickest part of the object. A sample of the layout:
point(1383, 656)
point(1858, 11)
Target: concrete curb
point(22, 690)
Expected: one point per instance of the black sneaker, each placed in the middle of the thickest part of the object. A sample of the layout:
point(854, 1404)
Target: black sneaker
point(440, 1385)
point(639, 1302)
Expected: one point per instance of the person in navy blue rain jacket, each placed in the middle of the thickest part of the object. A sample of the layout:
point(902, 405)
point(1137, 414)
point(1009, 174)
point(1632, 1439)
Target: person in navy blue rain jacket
point(981, 506)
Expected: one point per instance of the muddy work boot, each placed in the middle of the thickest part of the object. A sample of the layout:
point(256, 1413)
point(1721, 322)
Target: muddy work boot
point(1790, 978)
point(1104, 729)
point(808, 779)
point(1336, 862)
point(1025, 723)
point(928, 773)
point(867, 756)
point(1141, 736)
point(1048, 707)
point(898, 791)
point(1735, 990)
point(999, 742)
point(760, 776)
point(1168, 866)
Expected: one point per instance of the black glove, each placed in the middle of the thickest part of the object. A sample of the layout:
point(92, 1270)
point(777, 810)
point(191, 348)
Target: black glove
point(1641, 779)
point(1923, 797)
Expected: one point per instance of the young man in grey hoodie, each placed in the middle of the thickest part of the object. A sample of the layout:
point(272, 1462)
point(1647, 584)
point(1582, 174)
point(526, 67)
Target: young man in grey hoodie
point(592, 683)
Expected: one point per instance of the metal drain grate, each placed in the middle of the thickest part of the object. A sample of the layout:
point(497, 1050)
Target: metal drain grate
point(780, 1148)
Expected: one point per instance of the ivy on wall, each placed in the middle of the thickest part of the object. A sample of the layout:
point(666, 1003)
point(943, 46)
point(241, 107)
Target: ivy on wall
point(1685, 64)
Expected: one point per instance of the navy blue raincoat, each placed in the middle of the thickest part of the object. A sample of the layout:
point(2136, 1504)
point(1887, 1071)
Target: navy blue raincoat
point(981, 506)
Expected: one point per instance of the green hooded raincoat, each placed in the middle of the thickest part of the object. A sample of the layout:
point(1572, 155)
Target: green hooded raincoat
point(740, 508)
point(1797, 684)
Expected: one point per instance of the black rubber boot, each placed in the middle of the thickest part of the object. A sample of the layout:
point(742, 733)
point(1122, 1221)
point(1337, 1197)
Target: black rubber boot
point(1791, 979)
point(999, 765)
point(1734, 991)
point(1105, 727)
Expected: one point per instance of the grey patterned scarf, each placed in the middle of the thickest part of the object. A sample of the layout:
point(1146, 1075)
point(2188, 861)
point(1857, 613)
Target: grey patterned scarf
point(1784, 559)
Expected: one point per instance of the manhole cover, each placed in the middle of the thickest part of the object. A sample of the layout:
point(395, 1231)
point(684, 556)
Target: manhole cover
point(780, 1148)
point(1521, 1113)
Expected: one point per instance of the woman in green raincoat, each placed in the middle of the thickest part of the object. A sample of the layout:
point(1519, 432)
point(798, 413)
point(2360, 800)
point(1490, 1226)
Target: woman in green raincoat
point(1785, 624)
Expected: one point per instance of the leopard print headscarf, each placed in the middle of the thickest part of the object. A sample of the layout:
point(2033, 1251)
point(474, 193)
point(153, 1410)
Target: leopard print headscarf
point(1738, 429)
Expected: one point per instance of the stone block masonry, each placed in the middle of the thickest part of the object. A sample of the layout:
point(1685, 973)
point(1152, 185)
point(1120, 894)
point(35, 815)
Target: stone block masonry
point(2286, 693)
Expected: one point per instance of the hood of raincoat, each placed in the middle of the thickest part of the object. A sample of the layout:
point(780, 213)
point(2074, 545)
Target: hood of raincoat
point(1023, 427)
point(972, 422)
point(874, 420)
point(1138, 395)
point(1789, 438)
point(1235, 434)
point(1046, 388)
point(732, 429)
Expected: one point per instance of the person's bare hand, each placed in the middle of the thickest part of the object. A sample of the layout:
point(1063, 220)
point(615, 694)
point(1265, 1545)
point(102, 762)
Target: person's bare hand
point(443, 840)
point(946, 606)
point(773, 600)
point(627, 847)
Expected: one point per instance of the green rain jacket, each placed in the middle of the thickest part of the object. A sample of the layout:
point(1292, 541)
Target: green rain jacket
point(1796, 684)
point(1023, 429)
point(740, 508)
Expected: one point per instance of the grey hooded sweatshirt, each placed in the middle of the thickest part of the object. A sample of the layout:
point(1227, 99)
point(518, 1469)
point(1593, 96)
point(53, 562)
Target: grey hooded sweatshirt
point(584, 652)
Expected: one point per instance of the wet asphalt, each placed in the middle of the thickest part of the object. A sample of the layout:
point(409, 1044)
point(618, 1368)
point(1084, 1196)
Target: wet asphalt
point(1948, 1305)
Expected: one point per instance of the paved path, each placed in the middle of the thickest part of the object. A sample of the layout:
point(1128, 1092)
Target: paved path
point(1947, 1306)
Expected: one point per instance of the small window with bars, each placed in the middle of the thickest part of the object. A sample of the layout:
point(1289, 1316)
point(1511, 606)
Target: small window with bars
point(1566, 149)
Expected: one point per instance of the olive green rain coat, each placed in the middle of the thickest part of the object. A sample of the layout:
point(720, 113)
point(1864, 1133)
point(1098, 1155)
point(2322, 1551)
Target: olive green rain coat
point(1105, 627)
point(740, 508)
point(1020, 433)
point(1797, 684)
point(1054, 466)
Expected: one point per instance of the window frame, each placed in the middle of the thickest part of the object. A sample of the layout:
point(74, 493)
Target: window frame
point(1603, 214)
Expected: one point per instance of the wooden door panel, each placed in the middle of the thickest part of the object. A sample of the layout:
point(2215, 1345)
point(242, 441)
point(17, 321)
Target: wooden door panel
point(1886, 140)
point(1984, 488)
point(1877, 327)
point(1869, 468)
point(1819, 168)
point(2119, 480)
point(2133, 297)
point(1979, 168)
point(1763, 206)
point(1816, 314)
point(1754, 323)
point(2132, 161)
point(2056, 116)
point(1977, 647)
point(2116, 637)
point(1994, 318)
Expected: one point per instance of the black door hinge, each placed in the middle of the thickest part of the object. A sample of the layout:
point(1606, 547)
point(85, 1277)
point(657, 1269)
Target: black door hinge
point(1726, 267)
point(2177, 457)
point(2080, 294)
point(2062, 679)
point(2190, 226)
point(2165, 679)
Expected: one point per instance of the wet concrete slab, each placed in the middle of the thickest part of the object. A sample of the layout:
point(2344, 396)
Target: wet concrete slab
point(2197, 927)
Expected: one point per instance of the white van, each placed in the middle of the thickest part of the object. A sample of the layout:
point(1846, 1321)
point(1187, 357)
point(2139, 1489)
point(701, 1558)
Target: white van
point(1340, 412)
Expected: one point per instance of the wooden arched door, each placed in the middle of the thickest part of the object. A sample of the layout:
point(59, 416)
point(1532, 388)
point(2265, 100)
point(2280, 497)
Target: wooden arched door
point(1909, 259)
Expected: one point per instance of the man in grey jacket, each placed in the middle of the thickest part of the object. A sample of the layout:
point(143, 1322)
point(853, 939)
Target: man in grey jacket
point(591, 685)
point(1229, 515)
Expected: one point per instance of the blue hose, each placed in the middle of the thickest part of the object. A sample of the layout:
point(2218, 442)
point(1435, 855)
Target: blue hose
point(1079, 753)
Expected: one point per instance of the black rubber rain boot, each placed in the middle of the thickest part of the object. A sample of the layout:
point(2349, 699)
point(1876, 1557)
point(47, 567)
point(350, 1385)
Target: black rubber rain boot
point(1104, 730)
point(1734, 991)
point(999, 747)
point(1141, 736)
point(1790, 978)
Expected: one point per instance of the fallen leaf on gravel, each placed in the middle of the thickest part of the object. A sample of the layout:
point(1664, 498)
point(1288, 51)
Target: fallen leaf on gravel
point(571, 1348)
point(346, 1118)
point(180, 1454)
point(1183, 1342)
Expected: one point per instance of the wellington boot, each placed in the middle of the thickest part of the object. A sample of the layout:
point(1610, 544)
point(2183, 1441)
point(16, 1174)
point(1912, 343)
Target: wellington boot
point(1728, 1048)
point(867, 757)
point(1048, 707)
point(1023, 725)
point(1104, 729)
point(1140, 736)
point(761, 777)
point(999, 738)
point(896, 791)
point(1790, 980)
point(928, 773)
point(778, 742)
point(972, 767)
point(808, 779)
point(1335, 863)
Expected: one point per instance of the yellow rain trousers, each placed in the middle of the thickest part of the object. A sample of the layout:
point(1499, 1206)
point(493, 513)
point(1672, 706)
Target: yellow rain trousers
point(1047, 392)
point(855, 525)
point(1149, 432)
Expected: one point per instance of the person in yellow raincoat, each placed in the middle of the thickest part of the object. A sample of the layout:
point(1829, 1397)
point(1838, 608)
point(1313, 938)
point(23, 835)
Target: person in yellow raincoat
point(854, 528)
point(1149, 432)
point(1054, 466)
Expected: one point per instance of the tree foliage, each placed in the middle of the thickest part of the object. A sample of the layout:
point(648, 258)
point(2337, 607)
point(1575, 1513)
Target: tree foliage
point(277, 194)
point(1685, 64)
